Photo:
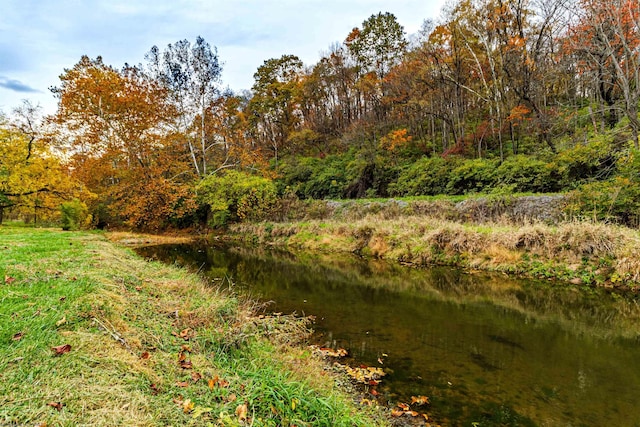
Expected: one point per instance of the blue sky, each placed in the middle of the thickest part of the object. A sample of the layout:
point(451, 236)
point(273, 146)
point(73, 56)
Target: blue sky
point(40, 38)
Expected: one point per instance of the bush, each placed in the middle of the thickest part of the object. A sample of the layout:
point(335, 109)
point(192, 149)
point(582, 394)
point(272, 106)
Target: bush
point(473, 176)
point(428, 176)
point(525, 174)
point(74, 215)
point(235, 196)
point(616, 200)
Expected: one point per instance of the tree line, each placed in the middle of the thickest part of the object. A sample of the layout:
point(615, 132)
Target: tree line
point(496, 96)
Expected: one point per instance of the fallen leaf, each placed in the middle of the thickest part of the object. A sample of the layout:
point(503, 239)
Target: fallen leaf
point(61, 349)
point(186, 348)
point(18, 336)
point(62, 298)
point(181, 357)
point(373, 392)
point(223, 383)
point(138, 288)
point(61, 321)
point(196, 376)
point(182, 384)
point(186, 364)
point(232, 398)
point(145, 355)
point(56, 405)
point(212, 382)
point(412, 413)
point(403, 406)
point(426, 417)
point(380, 361)
point(397, 413)
point(199, 410)
point(241, 412)
point(187, 406)
point(186, 334)
point(9, 280)
point(419, 400)
point(154, 389)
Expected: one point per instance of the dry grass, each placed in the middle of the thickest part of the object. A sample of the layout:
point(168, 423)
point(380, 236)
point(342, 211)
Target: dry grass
point(596, 252)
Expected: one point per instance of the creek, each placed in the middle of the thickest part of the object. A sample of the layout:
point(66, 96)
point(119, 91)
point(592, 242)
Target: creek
point(488, 350)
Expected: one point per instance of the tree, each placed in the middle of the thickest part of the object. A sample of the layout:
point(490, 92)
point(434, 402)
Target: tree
point(32, 181)
point(191, 75)
point(379, 45)
point(606, 37)
point(114, 127)
point(274, 108)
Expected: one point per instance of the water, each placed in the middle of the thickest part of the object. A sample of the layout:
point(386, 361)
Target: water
point(486, 349)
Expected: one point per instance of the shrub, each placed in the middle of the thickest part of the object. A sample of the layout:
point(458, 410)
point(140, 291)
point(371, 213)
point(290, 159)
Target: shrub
point(235, 196)
point(616, 200)
point(473, 176)
point(74, 215)
point(525, 174)
point(427, 176)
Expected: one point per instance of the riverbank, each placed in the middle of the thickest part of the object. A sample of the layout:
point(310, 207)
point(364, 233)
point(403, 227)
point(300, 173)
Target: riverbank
point(577, 252)
point(95, 335)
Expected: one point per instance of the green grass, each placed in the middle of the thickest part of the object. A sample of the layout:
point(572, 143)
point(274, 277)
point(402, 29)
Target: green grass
point(129, 323)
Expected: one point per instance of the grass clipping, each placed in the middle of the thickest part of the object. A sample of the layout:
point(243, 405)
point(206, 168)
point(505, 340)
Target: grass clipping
point(93, 335)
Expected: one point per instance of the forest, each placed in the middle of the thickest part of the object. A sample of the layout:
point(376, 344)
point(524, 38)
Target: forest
point(496, 97)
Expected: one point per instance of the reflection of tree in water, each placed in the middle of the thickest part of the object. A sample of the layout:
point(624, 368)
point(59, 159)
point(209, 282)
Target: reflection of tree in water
point(482, 347)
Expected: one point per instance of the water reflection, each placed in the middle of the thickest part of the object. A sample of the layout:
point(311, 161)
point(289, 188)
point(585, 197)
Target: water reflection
point(484, 348)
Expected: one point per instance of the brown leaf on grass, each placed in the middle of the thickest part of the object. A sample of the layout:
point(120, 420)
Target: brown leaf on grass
point(56, 405)
point(196, 376)
point(212, 382)
point(232, 398)
point(223, 383)
point(181, 357)
point(186, 334)
point(9, 280)
point(145, 355)
point(154, 389)
point(61, 321)
point(182, 384)
point(61, 349)
point(187, 406)
point(18, 336)
point(241, 412)
point(186, 364)
point(186, 348)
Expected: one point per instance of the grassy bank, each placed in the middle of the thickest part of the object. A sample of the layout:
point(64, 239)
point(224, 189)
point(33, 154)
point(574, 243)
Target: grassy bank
point(93, 335)
point(577, 252)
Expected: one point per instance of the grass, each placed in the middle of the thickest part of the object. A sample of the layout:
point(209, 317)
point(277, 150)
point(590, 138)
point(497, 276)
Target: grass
point(150, 345)
point(579, 252)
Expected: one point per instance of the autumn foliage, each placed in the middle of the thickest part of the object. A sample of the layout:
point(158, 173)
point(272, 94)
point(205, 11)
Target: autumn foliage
point(492, 83)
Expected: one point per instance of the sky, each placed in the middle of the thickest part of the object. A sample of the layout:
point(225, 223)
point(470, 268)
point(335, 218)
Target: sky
point(40, 38)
